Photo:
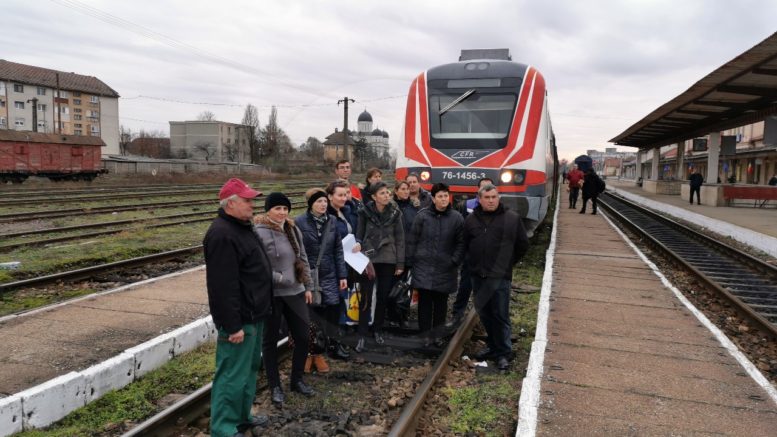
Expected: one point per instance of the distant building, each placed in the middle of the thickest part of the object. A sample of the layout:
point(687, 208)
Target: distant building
point(376, 139)
point(151, 147)
point(217, 141)
point(84, 105)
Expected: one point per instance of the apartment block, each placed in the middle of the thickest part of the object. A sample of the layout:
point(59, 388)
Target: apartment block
point(215, 141)
point(62, 102)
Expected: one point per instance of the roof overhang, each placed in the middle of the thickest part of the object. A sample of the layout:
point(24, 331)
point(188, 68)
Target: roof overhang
point(743, 91)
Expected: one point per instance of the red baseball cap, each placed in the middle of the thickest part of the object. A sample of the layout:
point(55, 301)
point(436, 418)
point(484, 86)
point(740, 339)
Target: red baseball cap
point(237, 186)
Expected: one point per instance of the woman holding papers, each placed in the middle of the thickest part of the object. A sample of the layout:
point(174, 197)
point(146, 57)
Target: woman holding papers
point(380, 236)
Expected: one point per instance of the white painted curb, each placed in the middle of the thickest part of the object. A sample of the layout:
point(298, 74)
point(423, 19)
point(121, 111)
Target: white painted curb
point(529, 402)
point(46, 403)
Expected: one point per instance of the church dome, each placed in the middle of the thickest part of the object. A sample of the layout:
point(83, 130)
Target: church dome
point(385, 134)
point(377, 133)
point(365, 116)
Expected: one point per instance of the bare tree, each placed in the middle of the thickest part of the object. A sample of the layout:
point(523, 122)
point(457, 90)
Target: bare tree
point(206, 116)
point(206, 148)
point(313, 148)
point(230, 151)
point(251, 119)
point(274, 141)
point(125, 138)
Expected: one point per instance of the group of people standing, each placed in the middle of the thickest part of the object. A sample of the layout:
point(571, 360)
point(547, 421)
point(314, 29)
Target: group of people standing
point(589, 183)
point(265, 268)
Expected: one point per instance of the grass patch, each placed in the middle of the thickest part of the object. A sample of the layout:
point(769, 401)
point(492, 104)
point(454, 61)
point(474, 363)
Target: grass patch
point(488, 405)
point(15, 301)
point(137, 401)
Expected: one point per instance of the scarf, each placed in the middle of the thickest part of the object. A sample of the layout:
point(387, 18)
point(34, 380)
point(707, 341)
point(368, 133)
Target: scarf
point(319, 222)
point(287, 228)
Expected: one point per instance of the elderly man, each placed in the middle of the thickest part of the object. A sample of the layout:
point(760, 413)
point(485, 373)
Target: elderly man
point(495, 240)
point(239, 280)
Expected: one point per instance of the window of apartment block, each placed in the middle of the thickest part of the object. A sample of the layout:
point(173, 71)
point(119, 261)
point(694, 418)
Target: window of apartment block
point(2, 88)
point(41, 91)
point(64, 109)
point(19, 88)
point(77, 116)
point(2, 121)
point(19, 122)
point(95, 129)
point(77, 110)
point(76, 101)
point(76, 94)
point(78, 132)
point(60, 93)
point(94, 99)
point(77, 125)
point(2, 103)
point(41, 107)
point(18, 105)
point(42, 124)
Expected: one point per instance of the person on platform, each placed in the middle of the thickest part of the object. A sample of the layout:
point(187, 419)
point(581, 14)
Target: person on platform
point(593, 186)
point(292, 293)
point(575, 176)
point(419, 196)
point(773, 181)
point(409, 211)
point(324, 248)
point(696, 181)
point(495, 239)
point(381, 237)
point(239, 282)
point(436, 249)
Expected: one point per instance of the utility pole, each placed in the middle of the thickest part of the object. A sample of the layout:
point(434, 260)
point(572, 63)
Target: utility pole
point(34, 102)
point(345, 126)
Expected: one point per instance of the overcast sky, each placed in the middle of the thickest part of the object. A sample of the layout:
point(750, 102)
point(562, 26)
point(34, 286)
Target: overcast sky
point(606, 63)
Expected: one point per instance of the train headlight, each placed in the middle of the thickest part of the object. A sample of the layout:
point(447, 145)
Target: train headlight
point(506, 177)
point(425, 175)
point(520, 177)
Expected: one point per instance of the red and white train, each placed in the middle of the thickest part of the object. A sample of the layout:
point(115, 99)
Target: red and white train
point(484, 116)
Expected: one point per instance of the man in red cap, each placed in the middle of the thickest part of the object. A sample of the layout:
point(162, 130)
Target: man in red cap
point(239, 280)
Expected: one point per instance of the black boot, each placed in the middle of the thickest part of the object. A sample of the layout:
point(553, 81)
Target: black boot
point(360, 345)
point(338, 351)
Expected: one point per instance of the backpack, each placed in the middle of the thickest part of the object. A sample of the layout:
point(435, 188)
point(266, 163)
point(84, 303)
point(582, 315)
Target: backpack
point(600, 185)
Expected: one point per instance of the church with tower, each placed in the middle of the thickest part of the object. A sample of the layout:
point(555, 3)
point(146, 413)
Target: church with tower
point(376, 139)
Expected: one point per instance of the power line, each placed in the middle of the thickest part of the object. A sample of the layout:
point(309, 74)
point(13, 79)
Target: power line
point(174, 43)
point(234, 105)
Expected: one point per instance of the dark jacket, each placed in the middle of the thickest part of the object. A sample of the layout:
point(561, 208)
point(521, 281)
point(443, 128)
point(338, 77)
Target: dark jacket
point(696, 180)
point(436, 249)
point(495, 241)
point(238, 274)
point(424, 199)
point(382, 235)
point(342, 224)
point(409, 211)
point(592, 185)
point(331, 268)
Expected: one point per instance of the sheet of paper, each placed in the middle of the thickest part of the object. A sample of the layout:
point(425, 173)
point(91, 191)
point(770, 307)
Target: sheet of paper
point(356, 260)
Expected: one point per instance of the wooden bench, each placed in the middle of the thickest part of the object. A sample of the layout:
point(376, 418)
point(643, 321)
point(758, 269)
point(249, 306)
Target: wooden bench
point(759, 194)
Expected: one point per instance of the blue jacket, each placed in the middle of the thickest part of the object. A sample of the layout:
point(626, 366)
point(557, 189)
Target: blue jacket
point(332, 266)
point(350, 217)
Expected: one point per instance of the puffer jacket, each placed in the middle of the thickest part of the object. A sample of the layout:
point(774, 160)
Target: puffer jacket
point(238, 274)
point(436, 249)
point(332, 267)
point(382, 235)
point(282, 255)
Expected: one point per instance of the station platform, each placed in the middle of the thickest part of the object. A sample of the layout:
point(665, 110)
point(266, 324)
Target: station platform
point(43, 344)
point(624, 355)
point(760, 220)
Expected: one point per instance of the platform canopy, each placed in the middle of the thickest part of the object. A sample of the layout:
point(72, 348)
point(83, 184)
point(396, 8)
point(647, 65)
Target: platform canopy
point(743, 91)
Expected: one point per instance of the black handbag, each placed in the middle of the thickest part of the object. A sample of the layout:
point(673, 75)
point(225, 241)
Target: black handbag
point(401, 288)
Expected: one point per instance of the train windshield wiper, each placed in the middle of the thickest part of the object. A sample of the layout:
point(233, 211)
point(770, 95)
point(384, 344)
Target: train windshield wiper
point(458, 100)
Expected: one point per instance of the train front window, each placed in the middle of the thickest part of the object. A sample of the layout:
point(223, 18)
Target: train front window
point(479, 120)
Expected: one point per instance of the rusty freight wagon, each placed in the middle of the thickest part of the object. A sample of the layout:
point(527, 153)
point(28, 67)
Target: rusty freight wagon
point(55, 156)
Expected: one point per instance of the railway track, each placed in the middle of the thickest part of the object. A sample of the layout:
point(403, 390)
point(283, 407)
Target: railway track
point(174, 419)
point(747, 283)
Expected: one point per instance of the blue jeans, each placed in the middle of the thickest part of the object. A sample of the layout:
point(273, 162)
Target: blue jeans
point(492, 302)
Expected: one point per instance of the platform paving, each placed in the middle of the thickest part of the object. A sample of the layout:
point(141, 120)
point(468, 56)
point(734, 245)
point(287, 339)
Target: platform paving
point(46, 344)
point(626, 357)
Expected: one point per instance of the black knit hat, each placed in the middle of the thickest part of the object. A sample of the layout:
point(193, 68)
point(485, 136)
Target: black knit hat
point(275, 199)
point(315, 196)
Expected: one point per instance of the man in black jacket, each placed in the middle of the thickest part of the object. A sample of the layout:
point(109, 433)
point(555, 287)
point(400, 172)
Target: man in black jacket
point(696, 181)
point(239, 280)
point(495, 240)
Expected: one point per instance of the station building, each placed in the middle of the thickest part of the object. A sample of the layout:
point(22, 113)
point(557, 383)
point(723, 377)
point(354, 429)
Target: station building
point(724, 126)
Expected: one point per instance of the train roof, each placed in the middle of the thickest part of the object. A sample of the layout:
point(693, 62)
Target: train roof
point(496, 68)
point(9, 135)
